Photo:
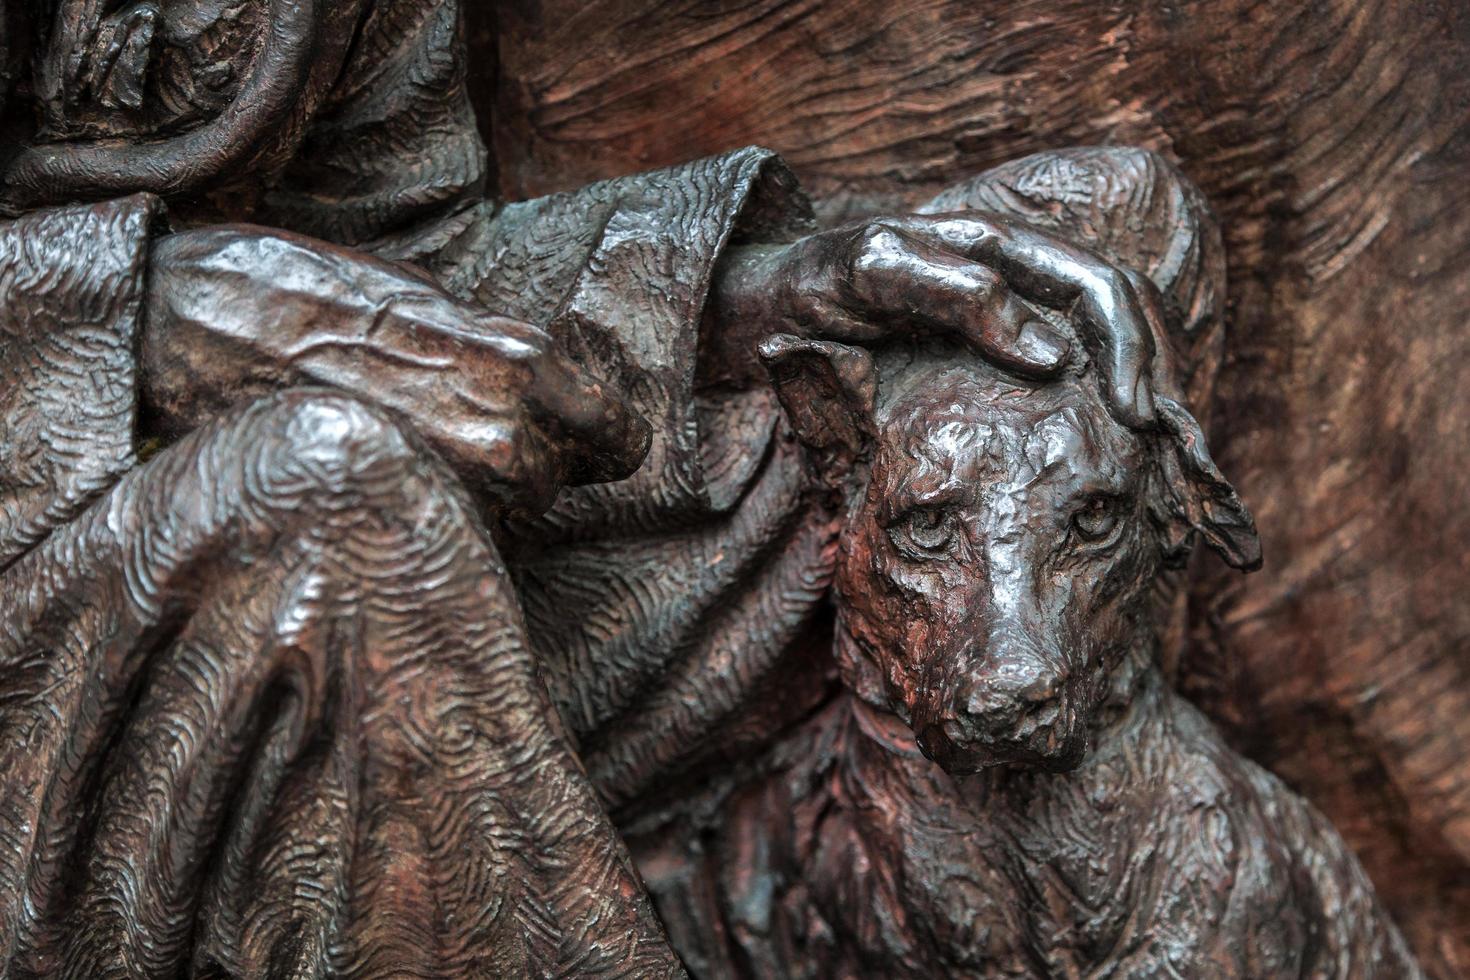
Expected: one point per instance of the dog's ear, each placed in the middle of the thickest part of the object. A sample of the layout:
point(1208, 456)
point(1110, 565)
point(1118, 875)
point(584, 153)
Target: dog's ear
point(829, 392)
point(1194, 496)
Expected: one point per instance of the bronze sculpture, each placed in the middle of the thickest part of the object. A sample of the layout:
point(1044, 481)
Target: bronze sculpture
point(1008, 787)
point(276, 702)
point(992, 617)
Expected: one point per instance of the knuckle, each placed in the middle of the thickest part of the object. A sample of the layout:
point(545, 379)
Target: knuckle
point(519, 459)
point(873, 249)
point(987, 289)
point(502, 448)
point(1112, 295)
point(807, 308)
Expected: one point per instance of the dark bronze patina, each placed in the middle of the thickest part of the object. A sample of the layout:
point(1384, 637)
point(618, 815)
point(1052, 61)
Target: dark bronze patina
point(658, 576)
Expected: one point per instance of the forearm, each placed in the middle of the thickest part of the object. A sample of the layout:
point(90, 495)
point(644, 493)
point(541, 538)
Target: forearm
point(737, 315)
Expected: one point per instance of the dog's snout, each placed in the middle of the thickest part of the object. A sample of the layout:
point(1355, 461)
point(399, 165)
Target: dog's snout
point(999, 702)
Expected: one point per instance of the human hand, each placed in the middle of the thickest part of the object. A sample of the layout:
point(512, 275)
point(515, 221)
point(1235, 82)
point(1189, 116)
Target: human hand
point(964, 274)
point(236, 312)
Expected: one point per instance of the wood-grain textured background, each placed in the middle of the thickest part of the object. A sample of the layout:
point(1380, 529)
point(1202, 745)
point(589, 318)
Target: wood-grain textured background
point(1333, 139)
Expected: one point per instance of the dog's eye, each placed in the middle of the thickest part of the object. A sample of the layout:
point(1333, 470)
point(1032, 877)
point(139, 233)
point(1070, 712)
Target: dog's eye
point(1097, 519)
point(928, 530)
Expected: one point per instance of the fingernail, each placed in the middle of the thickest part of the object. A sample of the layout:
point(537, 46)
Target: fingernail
point(1042, 345)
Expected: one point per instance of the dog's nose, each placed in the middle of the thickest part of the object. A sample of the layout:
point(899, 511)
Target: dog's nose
point(997, 704)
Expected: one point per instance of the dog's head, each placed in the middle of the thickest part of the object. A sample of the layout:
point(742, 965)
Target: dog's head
point(1000, 541)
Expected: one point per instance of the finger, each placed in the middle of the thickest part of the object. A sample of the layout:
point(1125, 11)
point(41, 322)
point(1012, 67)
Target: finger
point(1161, 371)
point(1058, 273)
point(594, 434)
point(894, 273)
point(514, 465)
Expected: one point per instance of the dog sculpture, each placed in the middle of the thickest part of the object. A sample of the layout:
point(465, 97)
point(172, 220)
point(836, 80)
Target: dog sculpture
point(1011, 788)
